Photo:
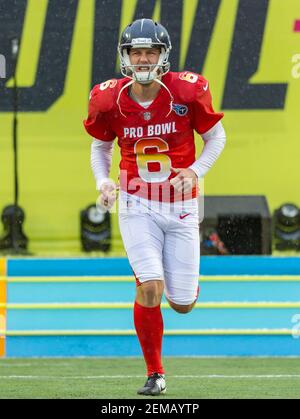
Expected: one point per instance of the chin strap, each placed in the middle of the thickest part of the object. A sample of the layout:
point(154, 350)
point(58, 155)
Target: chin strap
point(133, 81)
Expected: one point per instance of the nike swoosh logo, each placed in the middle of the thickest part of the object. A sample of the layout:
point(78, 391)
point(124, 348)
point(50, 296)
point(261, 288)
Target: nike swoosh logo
point(183, 216)
point(205, 87)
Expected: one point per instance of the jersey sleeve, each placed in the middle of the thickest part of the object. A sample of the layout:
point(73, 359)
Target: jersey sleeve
point(204, 116)
point(97, 122)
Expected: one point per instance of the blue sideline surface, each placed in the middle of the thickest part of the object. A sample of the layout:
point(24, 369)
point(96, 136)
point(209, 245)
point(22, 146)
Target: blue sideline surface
point(210, 265)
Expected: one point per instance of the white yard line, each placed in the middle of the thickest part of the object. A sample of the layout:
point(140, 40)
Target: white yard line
point(98, 377)
point(3, 365)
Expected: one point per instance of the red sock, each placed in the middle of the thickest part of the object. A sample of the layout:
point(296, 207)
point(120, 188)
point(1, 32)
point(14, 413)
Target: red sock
point(149, 327)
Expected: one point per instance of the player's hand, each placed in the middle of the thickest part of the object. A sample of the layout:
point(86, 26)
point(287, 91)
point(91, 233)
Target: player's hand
point(108, 195)
point(184, 180)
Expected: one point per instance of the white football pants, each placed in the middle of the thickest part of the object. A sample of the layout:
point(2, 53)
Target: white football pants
point(162, 243)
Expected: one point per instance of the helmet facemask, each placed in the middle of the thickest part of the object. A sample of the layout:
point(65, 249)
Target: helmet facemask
point(155, 70)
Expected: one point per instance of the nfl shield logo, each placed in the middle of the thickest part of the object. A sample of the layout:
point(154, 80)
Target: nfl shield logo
point(147, 116)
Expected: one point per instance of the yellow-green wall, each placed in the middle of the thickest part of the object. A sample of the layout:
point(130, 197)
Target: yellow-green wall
point(262, 153)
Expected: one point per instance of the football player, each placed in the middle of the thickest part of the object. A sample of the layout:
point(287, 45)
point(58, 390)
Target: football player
point(153, 112)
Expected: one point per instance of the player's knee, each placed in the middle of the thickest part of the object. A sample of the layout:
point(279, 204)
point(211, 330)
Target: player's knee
point(182, 309)
point(150, 293)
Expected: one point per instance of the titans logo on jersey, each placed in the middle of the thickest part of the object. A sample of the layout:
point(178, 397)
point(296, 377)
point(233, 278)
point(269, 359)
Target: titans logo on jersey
point(180, 110)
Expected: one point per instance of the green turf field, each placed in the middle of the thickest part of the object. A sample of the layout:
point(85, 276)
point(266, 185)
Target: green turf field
point(119, 378)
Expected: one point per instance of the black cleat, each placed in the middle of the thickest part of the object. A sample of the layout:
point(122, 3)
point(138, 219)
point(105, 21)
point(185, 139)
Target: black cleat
point(155, 385)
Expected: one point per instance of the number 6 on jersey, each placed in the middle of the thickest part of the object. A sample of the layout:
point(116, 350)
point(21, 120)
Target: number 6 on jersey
point(143, 159)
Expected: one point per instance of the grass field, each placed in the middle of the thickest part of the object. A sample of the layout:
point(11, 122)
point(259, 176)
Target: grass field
point(119, 378)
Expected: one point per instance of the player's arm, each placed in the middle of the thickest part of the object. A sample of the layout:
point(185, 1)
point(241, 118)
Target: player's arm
point(214, 143)
point(101, 157)
point(207, 123)
point(97, 125)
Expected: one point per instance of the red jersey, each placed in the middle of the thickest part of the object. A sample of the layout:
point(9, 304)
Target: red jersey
point(156, 138)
